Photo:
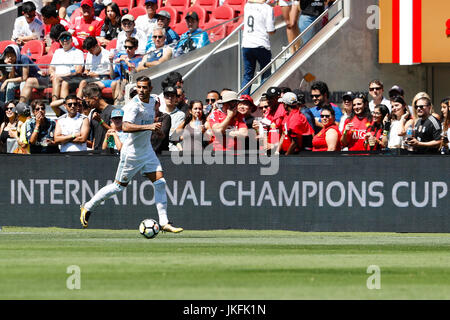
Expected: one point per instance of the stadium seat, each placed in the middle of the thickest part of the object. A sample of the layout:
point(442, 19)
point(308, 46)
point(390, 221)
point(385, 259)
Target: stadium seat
point(36, 47)
point(202, 15)
point(4, 44)
point(237, 5)
point(179, 5)
point(124, 4)
point(223, 13)
point(112, 44)
point(138, 11)
point(107, 93)
point(175, 17)
point(47, 91)
point(208, 5)
point(215, 32)
point(180, 28)
point(277, 11)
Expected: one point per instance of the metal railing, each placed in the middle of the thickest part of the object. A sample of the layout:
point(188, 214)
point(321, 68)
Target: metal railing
point(314, 27)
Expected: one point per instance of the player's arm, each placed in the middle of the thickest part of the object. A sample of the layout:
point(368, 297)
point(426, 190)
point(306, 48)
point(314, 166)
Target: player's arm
point(132, 127)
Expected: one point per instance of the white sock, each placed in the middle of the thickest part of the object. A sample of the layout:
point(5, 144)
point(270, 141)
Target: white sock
point(161, 200)
point(103, 194)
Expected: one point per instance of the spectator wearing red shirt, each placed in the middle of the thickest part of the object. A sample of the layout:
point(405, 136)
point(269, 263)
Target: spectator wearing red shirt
point(376, 136)
point(87, 24)
point(275, 114)
point(228, 126)
point(50, 18)
point(329, 138)
point(355, 127)
point(297, 132)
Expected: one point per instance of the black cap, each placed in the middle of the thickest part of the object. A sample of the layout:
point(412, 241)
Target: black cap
point(65, 34)
point(395, 91)
point(192, 14)
point(348, 94)
point(170, 89)
point(273, 92)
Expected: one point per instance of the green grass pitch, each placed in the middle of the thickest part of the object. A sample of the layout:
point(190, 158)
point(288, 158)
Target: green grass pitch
point(221, 264)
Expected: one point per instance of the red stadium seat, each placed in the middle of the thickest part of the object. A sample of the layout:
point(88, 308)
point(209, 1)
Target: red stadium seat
point(138, 11)
point(201, 12)
point(124, 4)
point(223, 13)
point(4, 44)
point(175, 17)
point(277, 11)
point(179, 5)
point(36, 47)
point(237, 5)
point(107, 93)
point(215, 33)
point(208, 5)
point(112, 44)
point(47, 91)
point(180, 28)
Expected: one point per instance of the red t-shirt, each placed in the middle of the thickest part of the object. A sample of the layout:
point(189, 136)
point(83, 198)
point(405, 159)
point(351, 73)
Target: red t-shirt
point(226, 143)
point(295, 126)
point(64, 22)
point(82, 29)
point(275, 129)
point(320, 142)
point(356, 135)
point(377, 133)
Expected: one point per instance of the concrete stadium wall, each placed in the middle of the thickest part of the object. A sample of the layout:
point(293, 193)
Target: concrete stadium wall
point(309, 193)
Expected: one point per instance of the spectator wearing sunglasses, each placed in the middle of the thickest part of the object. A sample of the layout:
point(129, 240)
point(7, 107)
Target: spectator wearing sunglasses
point(329, 138)
point(427, 129)
point(27, 27)
point(356, 125)
point(159, 54)
point(320, 96)
point(211, 98)
point(376, 91)
point(129, 30)
point(40, 130)
point(72, 128)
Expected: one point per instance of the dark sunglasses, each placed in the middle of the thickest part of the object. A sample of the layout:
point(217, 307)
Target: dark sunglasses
point(39, 109)
point(326, 116)
point(210, 100)
point(65, 38)
point(72, 104)
point(12, 108)
point(375, 88)
point(421, 106)
point(157, 37)
point(315, 96)
point(129, 47)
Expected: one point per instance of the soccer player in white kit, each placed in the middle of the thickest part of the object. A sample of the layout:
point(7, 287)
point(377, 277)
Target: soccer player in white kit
point(137, 155)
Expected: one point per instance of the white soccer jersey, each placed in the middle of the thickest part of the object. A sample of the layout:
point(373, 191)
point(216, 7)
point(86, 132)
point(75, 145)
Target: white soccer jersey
point(138, 144)
point(24, 29)
point(98, 64)
point(258, 21)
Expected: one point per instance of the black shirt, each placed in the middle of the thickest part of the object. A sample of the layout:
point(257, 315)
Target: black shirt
point(312, 7)
point(427, 130)
point(97, 129)
point(161, 143)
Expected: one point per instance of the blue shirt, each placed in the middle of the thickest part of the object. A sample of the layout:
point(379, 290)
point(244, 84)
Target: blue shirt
point(190, 41)
point(317, 110)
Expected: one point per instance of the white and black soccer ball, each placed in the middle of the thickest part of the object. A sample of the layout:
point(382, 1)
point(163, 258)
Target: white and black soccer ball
point(149, 228)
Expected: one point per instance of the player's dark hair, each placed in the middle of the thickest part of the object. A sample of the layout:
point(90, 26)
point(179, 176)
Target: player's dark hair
point(144, 79)
point(90, 43)
point(322, 87)
point(49, 11)
point(28, 7)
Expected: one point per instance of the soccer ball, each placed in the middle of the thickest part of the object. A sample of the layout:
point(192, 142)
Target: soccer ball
point(149, 228)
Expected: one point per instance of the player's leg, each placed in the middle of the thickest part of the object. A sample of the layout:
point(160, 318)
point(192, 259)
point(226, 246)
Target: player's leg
point(159, 183)
point(125, 171)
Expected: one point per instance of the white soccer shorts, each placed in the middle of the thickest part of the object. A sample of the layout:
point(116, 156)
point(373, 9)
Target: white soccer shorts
point(128, 168)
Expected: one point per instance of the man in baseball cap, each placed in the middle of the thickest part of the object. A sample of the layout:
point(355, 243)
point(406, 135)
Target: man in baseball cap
point(147, 22)
point(194, 38)
point(87, 24)
point(163, 21)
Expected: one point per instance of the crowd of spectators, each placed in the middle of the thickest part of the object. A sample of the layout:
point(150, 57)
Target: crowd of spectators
point(279, 123)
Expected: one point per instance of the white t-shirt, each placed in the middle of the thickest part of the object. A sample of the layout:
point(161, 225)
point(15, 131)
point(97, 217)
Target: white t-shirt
point(138, 145)
point(71, 126)
point(24, 29)
point(98, 64)
point(385, 101)
point(145, 24)
point(394, 140)
point(258, 21)
point(138, 34)
point(70, 58)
